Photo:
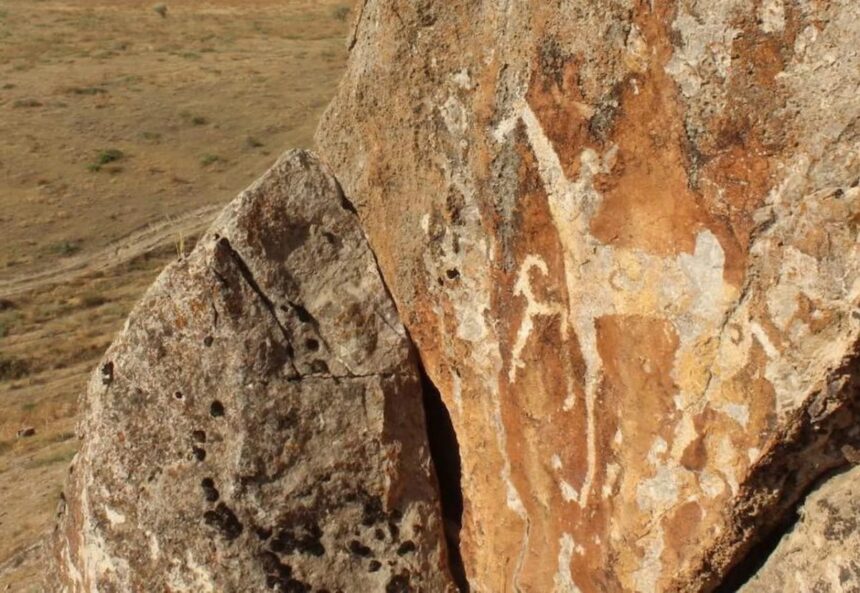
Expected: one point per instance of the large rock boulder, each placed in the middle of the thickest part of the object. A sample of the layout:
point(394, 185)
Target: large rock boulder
point(623, 235)
point(258, 424)
point(821, 553)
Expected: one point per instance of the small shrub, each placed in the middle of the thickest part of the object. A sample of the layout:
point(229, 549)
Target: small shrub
point(105, 157)
point(109, 156)
point(252, 142)
point(12, 368)
point(89, 90)
point(210, 159)
point(93, 300)
point(8, 86)
point(199, 120)
point(161, 9)
point(151, 136)
point(341, 12)
point(65, 248)
point(25, 103)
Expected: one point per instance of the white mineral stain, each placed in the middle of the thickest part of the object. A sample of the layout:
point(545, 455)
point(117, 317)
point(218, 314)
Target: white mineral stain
point(740, 413)
point(114, 517)
point(613, 470)
point(563, 578)
point(659, 492)
point(646, 577)
point(772, 16)
point(568, 492)
point(712, 485)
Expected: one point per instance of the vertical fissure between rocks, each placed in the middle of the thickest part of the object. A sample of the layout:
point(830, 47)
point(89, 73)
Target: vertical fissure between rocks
point(442, 440)
point(757, 556)
point(445, 451)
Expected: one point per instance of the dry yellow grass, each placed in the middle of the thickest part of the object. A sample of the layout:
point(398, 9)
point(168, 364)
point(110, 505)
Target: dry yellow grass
point(114, 119)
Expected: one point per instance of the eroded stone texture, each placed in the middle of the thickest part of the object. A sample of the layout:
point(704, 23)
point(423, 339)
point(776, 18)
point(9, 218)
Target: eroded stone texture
point(258, 424)
point(821, 554)
point(623, 235)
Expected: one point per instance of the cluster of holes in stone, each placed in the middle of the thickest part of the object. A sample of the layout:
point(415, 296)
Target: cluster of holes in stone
point(306, 539)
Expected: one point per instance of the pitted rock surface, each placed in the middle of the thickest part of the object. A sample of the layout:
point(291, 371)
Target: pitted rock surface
point(258, 424)
point(623, 235)
point(821, 554)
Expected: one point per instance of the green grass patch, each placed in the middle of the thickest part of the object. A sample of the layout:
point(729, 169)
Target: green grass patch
point(65, 248)
point(210, 159)
point(105, 157)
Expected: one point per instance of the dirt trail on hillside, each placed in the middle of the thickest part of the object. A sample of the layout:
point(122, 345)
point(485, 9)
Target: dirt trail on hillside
point(134, 245)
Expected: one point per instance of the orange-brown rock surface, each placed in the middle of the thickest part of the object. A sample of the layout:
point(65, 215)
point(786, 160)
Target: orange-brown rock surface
point(623, 235)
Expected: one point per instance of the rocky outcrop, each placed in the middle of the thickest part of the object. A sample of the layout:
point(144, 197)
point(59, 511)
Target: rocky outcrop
point(821, 554)
point(258, 424)
point(623, 235)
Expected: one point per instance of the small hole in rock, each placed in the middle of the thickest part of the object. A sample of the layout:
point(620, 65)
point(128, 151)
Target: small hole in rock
point(406, 547)
point(319, 366)
point(199, 454)
point(453, 274)
point(302, 313)
point(199, 436)
point(207, 341)
point(216, 410)
point(178, 395)
point(359, 549)
point(209, 491)
point(312, 345)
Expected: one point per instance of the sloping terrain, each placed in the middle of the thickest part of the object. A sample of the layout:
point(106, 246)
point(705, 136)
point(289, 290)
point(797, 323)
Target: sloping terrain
point(121, 134)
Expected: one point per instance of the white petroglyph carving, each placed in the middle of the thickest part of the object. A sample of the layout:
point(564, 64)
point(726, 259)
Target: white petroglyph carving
point(687, 290)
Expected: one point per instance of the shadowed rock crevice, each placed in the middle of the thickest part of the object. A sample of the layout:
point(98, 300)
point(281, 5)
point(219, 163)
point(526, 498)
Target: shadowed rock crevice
point(445, 451)
point(759, 554)
point(811, 451)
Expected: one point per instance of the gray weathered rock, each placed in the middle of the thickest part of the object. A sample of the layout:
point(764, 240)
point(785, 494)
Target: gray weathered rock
point(822, 552)
point(258, 424)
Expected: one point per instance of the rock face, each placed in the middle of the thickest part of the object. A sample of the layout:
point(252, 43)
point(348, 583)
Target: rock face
point(258, 424)
point(624, 237)
point(822, 553)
